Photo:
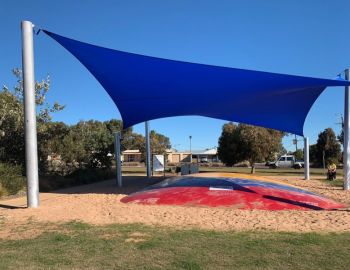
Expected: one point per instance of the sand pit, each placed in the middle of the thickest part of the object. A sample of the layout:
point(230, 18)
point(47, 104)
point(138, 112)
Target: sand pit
point(100, 204)
point(239, 191)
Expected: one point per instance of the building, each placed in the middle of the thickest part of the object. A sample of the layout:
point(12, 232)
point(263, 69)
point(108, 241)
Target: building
point(205, 156)
point(173, 156)
point(131, 156)
point(198, 156)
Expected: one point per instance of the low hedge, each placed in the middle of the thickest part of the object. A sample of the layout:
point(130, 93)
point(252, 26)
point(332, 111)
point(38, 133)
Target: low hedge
point(78, 177)
point(11, 179)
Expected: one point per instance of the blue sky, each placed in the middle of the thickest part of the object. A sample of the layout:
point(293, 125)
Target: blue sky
point(307, 38)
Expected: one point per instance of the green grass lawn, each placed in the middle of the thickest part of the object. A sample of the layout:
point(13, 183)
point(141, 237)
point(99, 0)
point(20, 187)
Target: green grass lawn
point(259, 171)
point(265, 171)
point(82, 246)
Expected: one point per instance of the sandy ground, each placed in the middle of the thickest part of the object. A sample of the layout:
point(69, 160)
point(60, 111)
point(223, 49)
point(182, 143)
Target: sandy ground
point(100, 204)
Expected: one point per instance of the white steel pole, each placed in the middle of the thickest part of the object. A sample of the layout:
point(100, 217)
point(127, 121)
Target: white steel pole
point(31, 150)
point(306, 159)
point(346, 158)
point(148, 150)
point(117, 139)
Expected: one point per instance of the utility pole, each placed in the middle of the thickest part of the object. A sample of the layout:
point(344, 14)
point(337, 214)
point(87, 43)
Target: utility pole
point(31, 146)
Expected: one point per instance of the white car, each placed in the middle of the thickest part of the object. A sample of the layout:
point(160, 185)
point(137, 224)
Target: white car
point(288, 161)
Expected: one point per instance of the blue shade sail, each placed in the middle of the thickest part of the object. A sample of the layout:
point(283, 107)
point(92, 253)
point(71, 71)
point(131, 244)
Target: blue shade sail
point(146, 88)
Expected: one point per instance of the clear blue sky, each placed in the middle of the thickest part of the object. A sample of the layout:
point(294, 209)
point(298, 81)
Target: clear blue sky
point(295, 37)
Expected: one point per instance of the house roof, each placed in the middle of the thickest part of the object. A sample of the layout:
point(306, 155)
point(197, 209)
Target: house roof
point(134, 151)
point(212, 151)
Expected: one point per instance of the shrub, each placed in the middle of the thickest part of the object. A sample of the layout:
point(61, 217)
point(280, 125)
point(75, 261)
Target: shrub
point(78, 177)
point(11, 179)
point(90, 175)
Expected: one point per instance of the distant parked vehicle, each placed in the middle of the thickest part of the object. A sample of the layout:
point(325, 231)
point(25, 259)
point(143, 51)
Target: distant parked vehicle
point(270, 163)
point(204, 160)
point(288, 161)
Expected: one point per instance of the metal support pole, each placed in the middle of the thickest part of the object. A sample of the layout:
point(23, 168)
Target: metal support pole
point(346, 158)
point(31, 150)
point(306, 159)
point(190, 149)
point(148, 150)
point(117, 139)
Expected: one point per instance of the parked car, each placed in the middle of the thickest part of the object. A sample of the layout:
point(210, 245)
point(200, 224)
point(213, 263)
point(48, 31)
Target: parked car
point(288, 161)
point(204, 160)
point(270, 163)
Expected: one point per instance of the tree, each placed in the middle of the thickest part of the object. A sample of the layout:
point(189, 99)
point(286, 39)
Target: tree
point(299, 154)
point(11, 128)
point(12, 118)
point(341, 136)
point(259, 143)
point(327, 143)
point(244, 142)
point(50, 138)
point(313, 154)
point(159, 143)
point(90, 142)
point(87, 143)
point(229, 151)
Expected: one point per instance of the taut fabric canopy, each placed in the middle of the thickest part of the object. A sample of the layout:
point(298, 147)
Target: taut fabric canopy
point(146, 88)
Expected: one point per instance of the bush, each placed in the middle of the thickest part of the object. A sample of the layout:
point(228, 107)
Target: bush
point(90, 175)
point(11, 179)
point(78, 177)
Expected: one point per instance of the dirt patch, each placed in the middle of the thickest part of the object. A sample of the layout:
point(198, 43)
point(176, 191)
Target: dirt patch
point(100, 204)
point(134, 240)
point(108, 236)
point(26, 229)
point(137, 237)
point(138, 234)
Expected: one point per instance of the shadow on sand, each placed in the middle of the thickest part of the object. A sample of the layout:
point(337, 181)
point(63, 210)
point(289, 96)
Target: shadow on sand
point(130, 184)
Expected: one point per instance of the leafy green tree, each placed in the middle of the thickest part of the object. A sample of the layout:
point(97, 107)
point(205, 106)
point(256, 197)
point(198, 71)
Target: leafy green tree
point(89, 143)
point(12, 118)
point(327, 143)
point(131, 140)
point(244, 142)
point(229, 147)
point(259, 143)
point(313, 154)
point(341, 136)
point(50, 138)
point(299, 154)
point(85, 144)
point(11, 128)
point(159, 143)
